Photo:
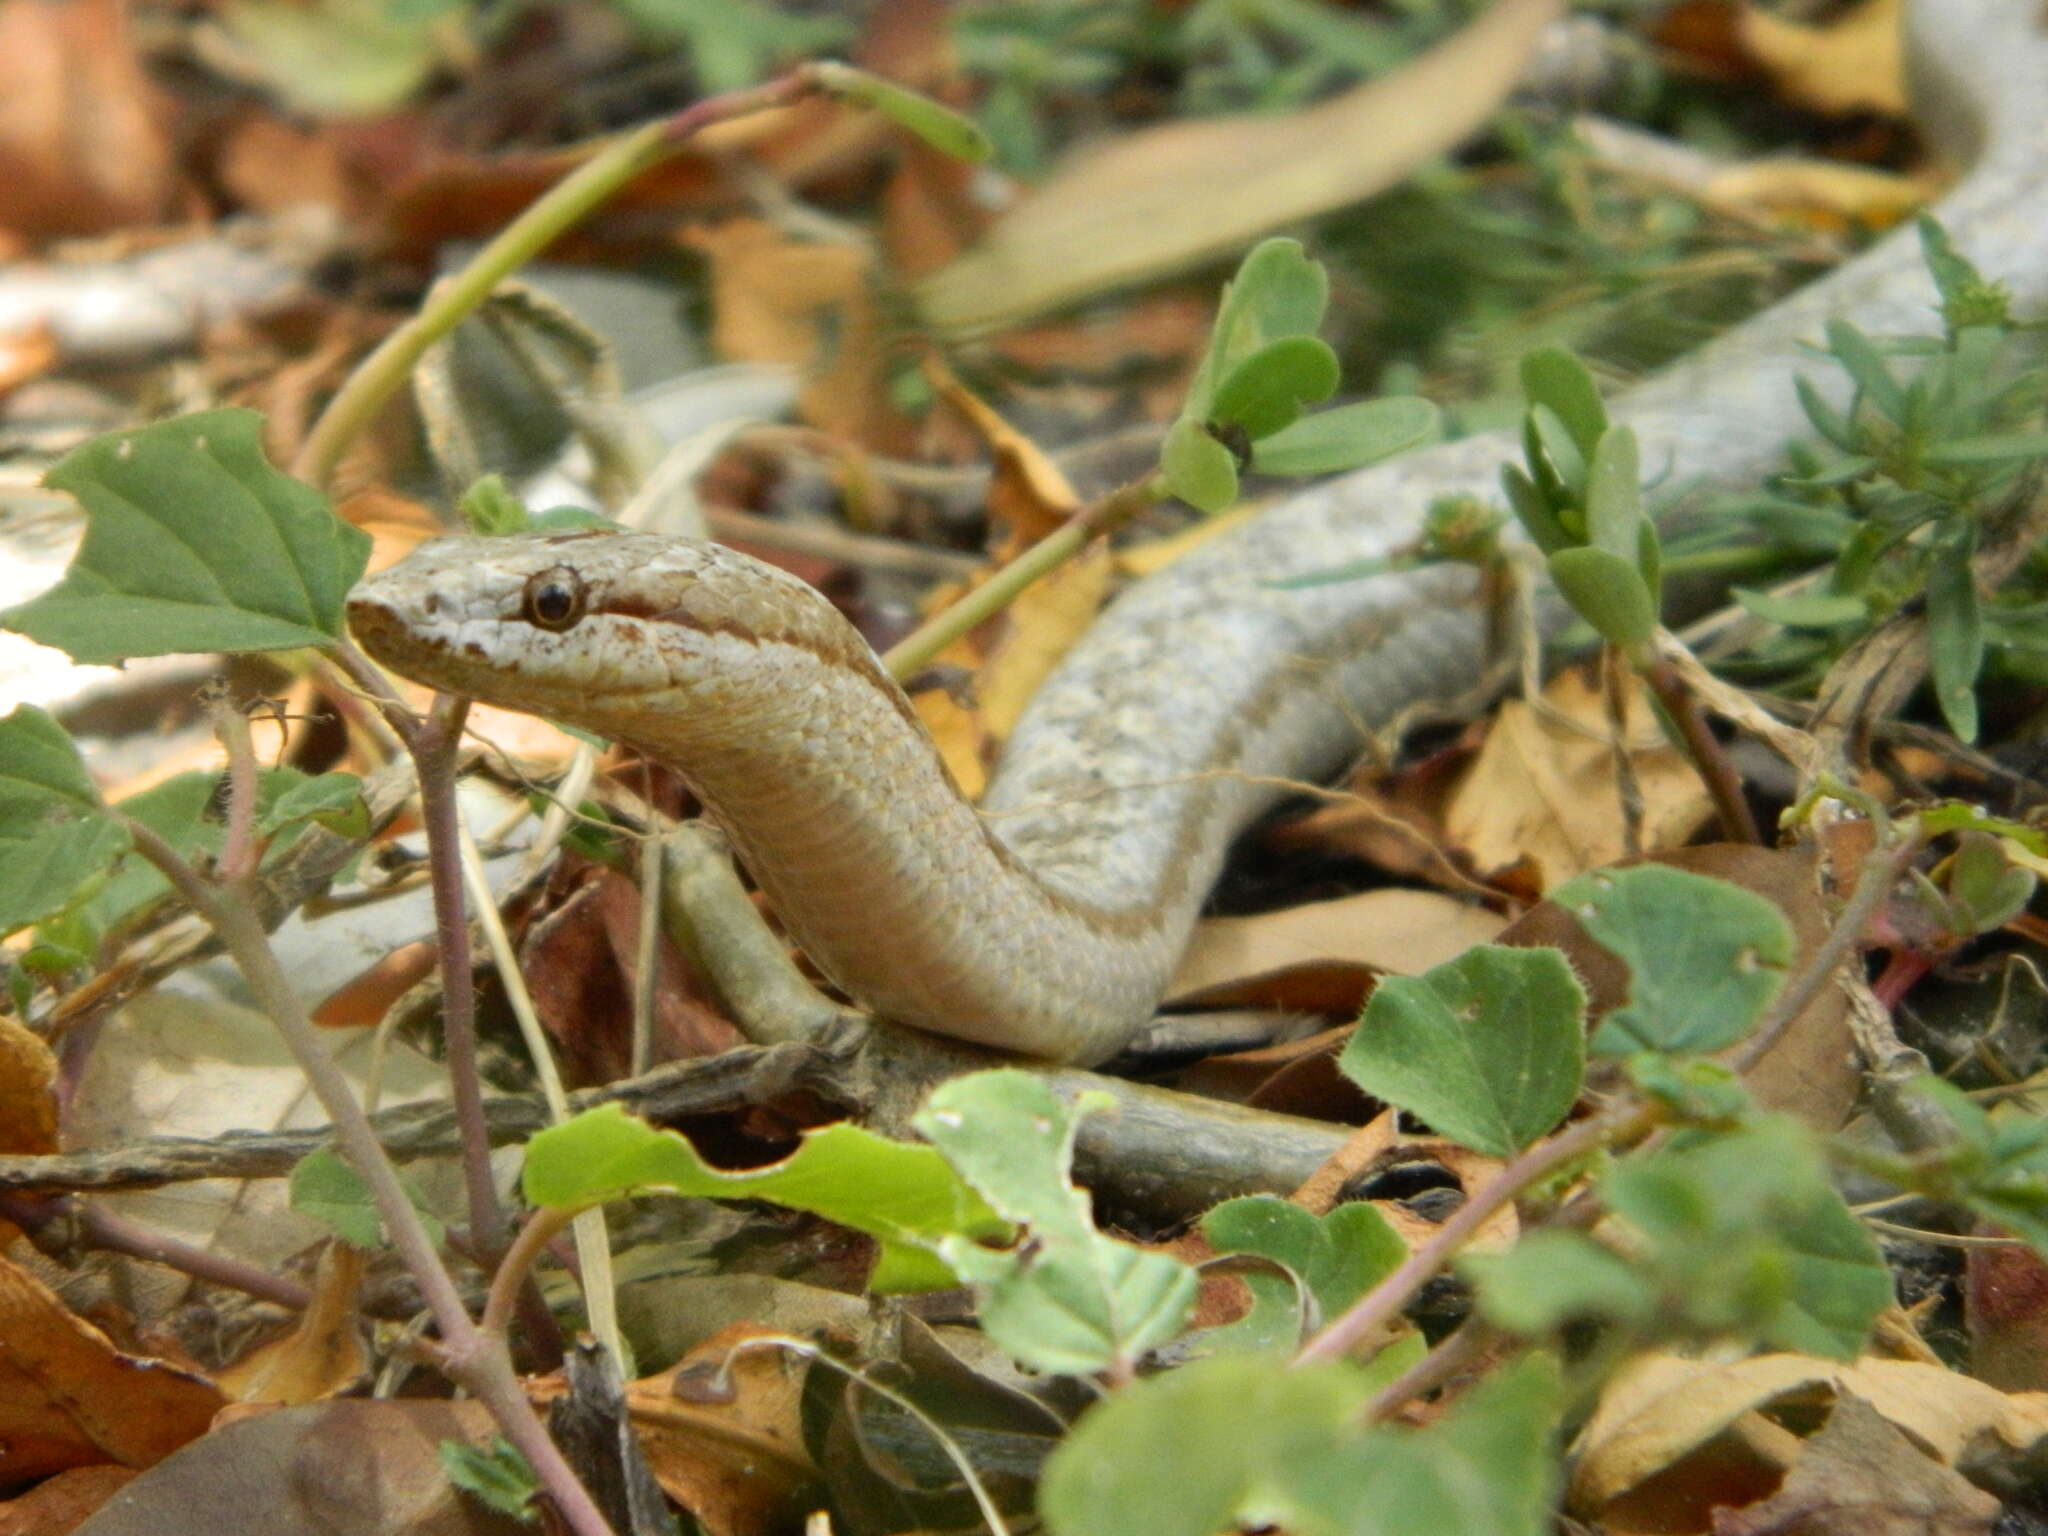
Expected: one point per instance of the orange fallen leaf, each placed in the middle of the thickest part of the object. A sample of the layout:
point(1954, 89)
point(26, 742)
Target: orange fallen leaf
point(28, 1098)
point(69, 1398)
point(323, 1354)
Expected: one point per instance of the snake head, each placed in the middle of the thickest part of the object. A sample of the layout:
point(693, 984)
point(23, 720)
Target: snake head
point(597, 629)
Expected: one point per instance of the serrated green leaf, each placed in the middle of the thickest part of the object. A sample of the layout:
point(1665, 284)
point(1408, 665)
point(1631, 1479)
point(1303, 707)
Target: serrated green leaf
point(327, 1189)
point(1705, 957)
point(1556, 380)
point(193, 543)
point(40, 771)
point(1607, 591)
point(494, 1474)
point(1198, 469)
point(1488, 1049)
point(1339, 1256)
point(1551, 1278)
point(333, 800)
point(903, 1195)
point(45, 870)
point(1347, 437)
point(1955, 639)
point(1748, 1237)
point(1267, 390)
point(939, 126)
point(1071, 1300)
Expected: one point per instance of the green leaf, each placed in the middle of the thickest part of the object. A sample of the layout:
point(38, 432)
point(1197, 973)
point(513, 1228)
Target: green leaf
point(1553, 378)
point(1559, 454)
point(1967, 300)
point(1812, 610)
point(1608, 592)
point(1068, 1300)
point(1989, 448)
point(1533, 510)
point(489, 507)
point(331, 1192)
point(1827, 421)
point(1266, 391)
point(1213, 1446)
point(1873, 376)
point(1554, 1277)
point(905, 1196)
point(1614, 496)
point(1339, 1256)
point(494, 1474)
point(333, 800)
point(193, 543)
point(1198, 469)
point(1996, 1167)
point(1705, 958)
point(1488, 1048)
point(1748, 1238)
point(1278, 291)
point(939, 126)
point(1955, 638)
point(1986, 890)
point(55, 834)
point(1347, 437)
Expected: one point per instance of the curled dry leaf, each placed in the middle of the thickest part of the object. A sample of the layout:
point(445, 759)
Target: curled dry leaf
point(28, 1096)
point(1168, 198)
point(1659, 1410)
point(1344, 943)
point(323, 1354)
point(1860, 1476)
point(1853, 63)
point(69, 1398)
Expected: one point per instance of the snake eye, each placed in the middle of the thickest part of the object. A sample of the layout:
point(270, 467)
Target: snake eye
point(553, 600)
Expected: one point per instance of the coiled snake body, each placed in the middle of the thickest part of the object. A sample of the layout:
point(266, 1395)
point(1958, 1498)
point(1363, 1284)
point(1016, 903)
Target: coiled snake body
point(1051, 928)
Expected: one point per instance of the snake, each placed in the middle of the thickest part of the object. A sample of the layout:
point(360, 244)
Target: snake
point(1046, 922)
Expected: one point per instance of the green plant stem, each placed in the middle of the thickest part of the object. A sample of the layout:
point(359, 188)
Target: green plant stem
point(435, 745)
point(1377, 1309)
point(478, 1360)
point(509, 1280)
point(915, 651)
point(1709, 757)
point(546, 219)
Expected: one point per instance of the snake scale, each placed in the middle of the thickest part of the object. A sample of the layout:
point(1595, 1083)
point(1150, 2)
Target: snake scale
point(1050, 927)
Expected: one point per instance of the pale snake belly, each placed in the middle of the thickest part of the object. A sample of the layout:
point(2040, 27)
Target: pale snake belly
point(1049, 926)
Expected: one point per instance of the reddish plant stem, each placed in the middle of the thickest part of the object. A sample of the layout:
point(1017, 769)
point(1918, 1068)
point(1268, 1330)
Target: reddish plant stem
point(96, 1227)
point(434, 746)
point(1375, 1311)
point(1901, 973)
point(238, 850)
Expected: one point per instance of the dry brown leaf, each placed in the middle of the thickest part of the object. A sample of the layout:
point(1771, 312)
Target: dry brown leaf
point(69, 1398)
point(26, 354)
point(61, 1504)
point(723, 1434)
point(1548, 792)
point(1028, 493)
point(323, 1355)
point(1811, 1071)
point(1168, 198)
point(1861, 1477)
point(2005, 1305)
point(1000, 675)
point(1816, 194)
point(28, 1097)
point(1382, 932)
point(1658, 1410)
point(777, 299)
point(83, 148)
point(1854, 63)
point(364, 1468)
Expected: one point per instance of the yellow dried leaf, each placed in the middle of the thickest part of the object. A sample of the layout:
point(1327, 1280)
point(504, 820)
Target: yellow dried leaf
point(1852, 64)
